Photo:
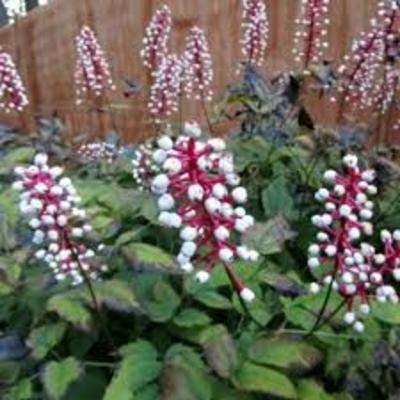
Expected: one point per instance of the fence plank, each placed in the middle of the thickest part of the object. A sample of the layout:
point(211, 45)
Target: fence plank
point(43, 43)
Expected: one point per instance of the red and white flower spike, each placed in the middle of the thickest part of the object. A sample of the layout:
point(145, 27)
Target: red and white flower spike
point(310, 38)
point(145, 164)
point(49, 202)
point(12, 91)
point(156, 38)
point(255, 31)
point(165, 91)
point(368, 67)
point(92, 71)
point(357, 272)
point(199, 72)
point(198, 194)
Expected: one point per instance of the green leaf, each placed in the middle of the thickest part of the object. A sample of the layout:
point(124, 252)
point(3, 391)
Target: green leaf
point(163, 302)
point(58, 376)
point(191, 317)
point(255, 378)
point(147, 257)
point(90, 387)
point(220, 350)
point(150, 392)
point(138, 368)
point(269, 237)
point(116, 295)
point(21, 391)
point(277, 199)
point(9, 371)
point(45, 338)
point(295, 356)
point(71, 309)
point(387, 312)
point(222, 391)
point(13, 158)
point(310, 390)
point(184, 376)
point(213, 300)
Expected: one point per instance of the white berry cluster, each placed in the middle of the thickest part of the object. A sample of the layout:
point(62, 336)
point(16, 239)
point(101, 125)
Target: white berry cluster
point(13, 95)
point(49, 202)
point(145, 168)
point(165, 90)
point(367, 76)
point(198, 71)
point(156, 38)
point(310, 37)
point(92, 71)
point(357, 271)
point(99, 151)
point(255, 31)
point(198, 194)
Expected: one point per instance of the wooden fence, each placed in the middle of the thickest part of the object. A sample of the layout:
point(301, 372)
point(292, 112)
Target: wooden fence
point(43, 44)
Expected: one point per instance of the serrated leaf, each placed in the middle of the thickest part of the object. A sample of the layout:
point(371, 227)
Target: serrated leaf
point(297, 357)
point(190, 317)
point(255, 378)
point(150, 392)
point(71, 309)
point(162, 302)
point(43, 339)
point(23, 390)
point(213, 299)
point(116, 295)
point(269, 237)
point(90, 387)
point(386, 312)
point(184, 376)
point(311, 390)
point(150, 257)
point(277, 199)
point(220, 350)
point(13, 158)
point(138, 368)
point(58, 376)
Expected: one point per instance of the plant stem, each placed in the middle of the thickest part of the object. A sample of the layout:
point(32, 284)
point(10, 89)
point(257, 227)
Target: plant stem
point(93, 296)
point(324, 305)
point(204, 106)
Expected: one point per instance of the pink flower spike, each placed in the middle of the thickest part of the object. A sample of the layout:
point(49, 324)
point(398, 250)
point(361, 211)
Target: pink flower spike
point(156, 38)
point(255, 31)
point(368, 77)
point(198, 193)
point(199, 69)
point(13, 95)
point(92, 71)
point(49, 202)
point(310, 37)
point(165, 91)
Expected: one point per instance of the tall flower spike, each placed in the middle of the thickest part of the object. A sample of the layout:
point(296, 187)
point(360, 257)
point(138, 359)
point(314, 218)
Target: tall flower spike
point(357, 271)
point(255, 31)
point(92, 71)
point(12, 91)
point(199, 73)
point(165, 91)
point(310, 37)
point(50, 203)
point(198, 194)
point(366, 76)
point(156, 38)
